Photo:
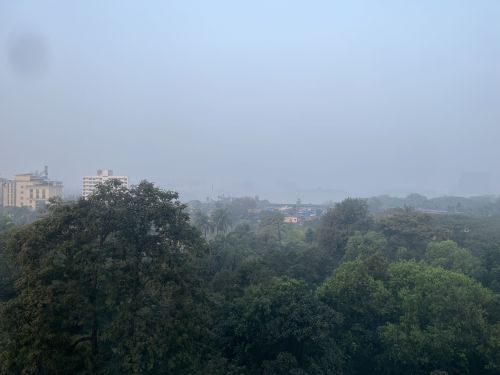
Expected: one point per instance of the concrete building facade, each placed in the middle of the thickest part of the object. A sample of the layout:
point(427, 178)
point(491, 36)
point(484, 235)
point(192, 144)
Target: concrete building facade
point(89, 183)
point(31, 190)
point(291, 219)
point(2, 181)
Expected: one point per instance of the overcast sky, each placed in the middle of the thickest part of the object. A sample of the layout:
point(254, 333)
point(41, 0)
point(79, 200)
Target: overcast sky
point(281, 99)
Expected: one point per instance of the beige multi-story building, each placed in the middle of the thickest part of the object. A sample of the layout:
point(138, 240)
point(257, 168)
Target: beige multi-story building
point(31, 190)
point(89, 183)
point(2, 181)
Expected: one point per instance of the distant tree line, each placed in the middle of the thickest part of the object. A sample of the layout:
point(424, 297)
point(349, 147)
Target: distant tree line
point(482, 206)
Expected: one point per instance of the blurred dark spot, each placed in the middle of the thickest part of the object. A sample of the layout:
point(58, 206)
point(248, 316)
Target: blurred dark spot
point(28, 54)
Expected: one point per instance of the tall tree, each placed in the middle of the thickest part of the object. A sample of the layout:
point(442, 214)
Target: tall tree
point(274, 220)
point(221, 220)
point(367, 244)
point(410, 230)
point(441, 323)
point(357, 291)
point(448, 255)
point(340, 222)
point(105, 285)
point(202, 221)
point(281, 327)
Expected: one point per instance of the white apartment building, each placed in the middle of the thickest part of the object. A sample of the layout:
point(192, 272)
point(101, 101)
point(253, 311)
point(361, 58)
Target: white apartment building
point(89, 183)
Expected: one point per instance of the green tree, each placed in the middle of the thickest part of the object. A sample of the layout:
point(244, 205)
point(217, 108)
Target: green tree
point(274, 221)
point(441, 322)
point(106, 285)
point(17, 216)
point(6, 223)
point(490, 267)
point(339, 223)
point(360, 244)
point(448, 255)
point(234, 262)
point(7, 273)
point(221, 220)
point(357, 291)
point(280, 326)
point(309, 236)
point(410, 230)
point(202, 221)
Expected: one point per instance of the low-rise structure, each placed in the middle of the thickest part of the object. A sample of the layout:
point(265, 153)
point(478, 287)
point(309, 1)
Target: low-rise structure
point(89, 183)
point(291, 219)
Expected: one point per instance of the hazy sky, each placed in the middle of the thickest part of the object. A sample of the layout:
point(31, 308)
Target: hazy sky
point(284, 99)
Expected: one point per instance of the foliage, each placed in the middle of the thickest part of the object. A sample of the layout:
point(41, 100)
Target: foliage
point(281, 327)
point(202, 221)
point(441, 322)
point(448, 255)
point(105, 286)
point(340, 222)
point(6, 223)
point(221, 221)
point(367, 244)
point(10, 216)
point(122, 283)
point(410, 230)
point(357, 291)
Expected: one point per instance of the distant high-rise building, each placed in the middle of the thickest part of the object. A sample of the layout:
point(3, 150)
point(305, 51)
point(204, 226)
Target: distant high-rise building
point(89, 183)
point(31, 190)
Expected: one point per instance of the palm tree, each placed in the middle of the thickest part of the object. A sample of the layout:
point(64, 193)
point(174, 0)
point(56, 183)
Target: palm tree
point(201, 221)
point(221, 220)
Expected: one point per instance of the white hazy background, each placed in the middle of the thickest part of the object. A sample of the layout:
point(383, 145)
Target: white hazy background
point(282, 99)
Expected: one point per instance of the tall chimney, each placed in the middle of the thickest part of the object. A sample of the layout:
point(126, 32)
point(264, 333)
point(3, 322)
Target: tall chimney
point(46, 171)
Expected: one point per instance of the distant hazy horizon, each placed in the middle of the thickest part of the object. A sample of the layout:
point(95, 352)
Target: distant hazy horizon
point(314, 100)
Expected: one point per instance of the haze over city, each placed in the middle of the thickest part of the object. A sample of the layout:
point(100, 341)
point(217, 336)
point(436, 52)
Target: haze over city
point(315, 100)
point(250, 187)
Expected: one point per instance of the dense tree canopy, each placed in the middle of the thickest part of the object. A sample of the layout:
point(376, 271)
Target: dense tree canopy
point(440, 323)
point(340, 222)
point(281, 319)
point(105, 286)
point(126, 282)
